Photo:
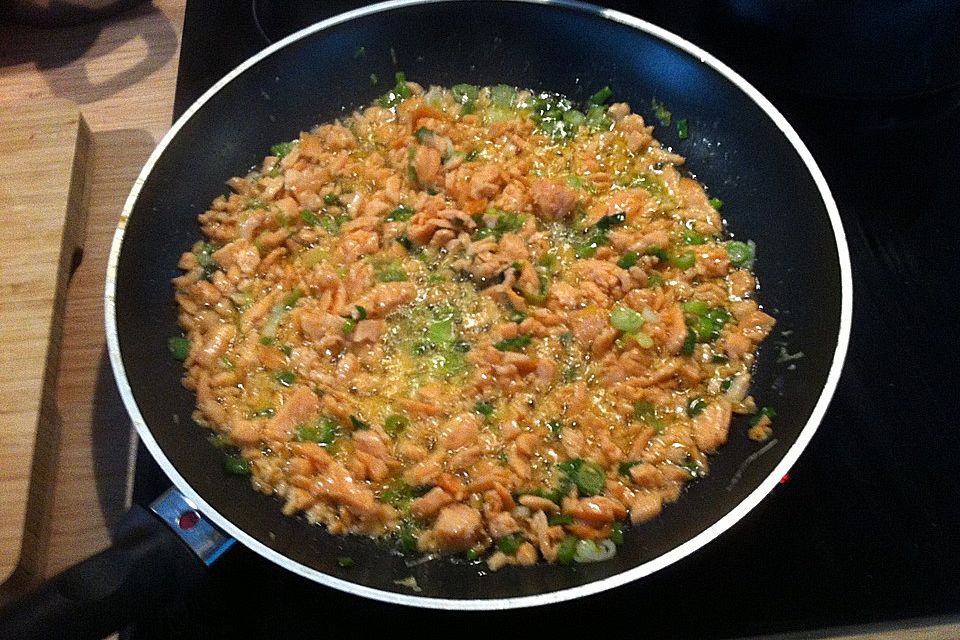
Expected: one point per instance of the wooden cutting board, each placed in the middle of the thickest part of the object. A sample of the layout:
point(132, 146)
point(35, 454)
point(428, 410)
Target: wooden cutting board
point(44, 147)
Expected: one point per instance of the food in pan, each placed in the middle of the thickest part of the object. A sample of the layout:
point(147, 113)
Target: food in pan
point(478, 320)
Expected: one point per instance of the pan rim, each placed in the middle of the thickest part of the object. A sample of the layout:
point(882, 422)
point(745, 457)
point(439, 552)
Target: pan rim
point(481, 604)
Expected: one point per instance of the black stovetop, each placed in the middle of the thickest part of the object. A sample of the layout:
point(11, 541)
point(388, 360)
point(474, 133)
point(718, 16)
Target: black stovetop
point(867, 530)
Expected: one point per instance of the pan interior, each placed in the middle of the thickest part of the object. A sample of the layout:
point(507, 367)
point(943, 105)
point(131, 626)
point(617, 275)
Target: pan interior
point(734, 148)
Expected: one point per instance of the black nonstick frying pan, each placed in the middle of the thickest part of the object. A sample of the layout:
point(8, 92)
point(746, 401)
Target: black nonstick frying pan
point(739, 145)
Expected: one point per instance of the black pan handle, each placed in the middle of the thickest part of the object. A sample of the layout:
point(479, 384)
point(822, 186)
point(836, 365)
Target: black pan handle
point(149, 566)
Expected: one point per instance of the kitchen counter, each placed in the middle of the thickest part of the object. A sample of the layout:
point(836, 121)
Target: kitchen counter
point(122, 74)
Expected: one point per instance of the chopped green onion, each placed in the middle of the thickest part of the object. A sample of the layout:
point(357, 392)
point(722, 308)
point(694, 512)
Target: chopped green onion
point(506, 222)
point(236, 465)
point(466, 96)
point(556, 519)
point(421, 347)
point(716, 203)
point(391, 273)
point(567, 549)
point(441, 332)
point(331, 199)
point(616, 533)
point(397, 494)
point(503, 95)
point(281, 149)
point(349, 325)
point(590, 479)
point(683, 129)
point(693, 467)
point(741, 253)
point(313, 257)
point(424, 134)
point(644, 340)
point(646, 412)
point(684, 261)
point(626, 319)
point(179, 347)
point(361, 312)
point(578, 182)
point(692, 237)
point(394, 424)
point(601, 96)
point(515, 343)
point(345, 562)
point(309, 217)
point(555, 426)
point(286, 378)
point(588, 248)
point(624, 467)
point(206, 261)
point(643, 409)
point(399, 92)
point(465, 92)
point(606, 222)
point(358, 424)
point(654, 280)
point(707, 326)
point(408, 537)
point(225, 363)
point(575, 119)
point(597, 235)
point(518, 316)
point(689, 342)
point(484, 408)
point(661, 113)
point(290, 300)
point(597, 118)
point(217, 441)
point(696, 307)
point(629, 259)
point(323, 431)
point(696, 407)
point(510, 544)
point(657, 252)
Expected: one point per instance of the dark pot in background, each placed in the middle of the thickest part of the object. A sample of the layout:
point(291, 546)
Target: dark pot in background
point(876, 64)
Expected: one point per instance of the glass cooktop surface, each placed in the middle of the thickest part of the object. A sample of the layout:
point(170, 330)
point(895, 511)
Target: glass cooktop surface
point(865, 533)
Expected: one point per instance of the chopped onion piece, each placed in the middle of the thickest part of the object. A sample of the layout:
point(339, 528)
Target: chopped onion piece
point(650, 315)
point(738, 388)
point(594, 551)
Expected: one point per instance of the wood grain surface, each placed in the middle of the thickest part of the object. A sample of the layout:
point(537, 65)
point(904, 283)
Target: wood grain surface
point(122, 75)
point(44, 149)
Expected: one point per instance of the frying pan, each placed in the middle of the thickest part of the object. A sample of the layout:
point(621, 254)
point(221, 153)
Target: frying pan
point(739, 145)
